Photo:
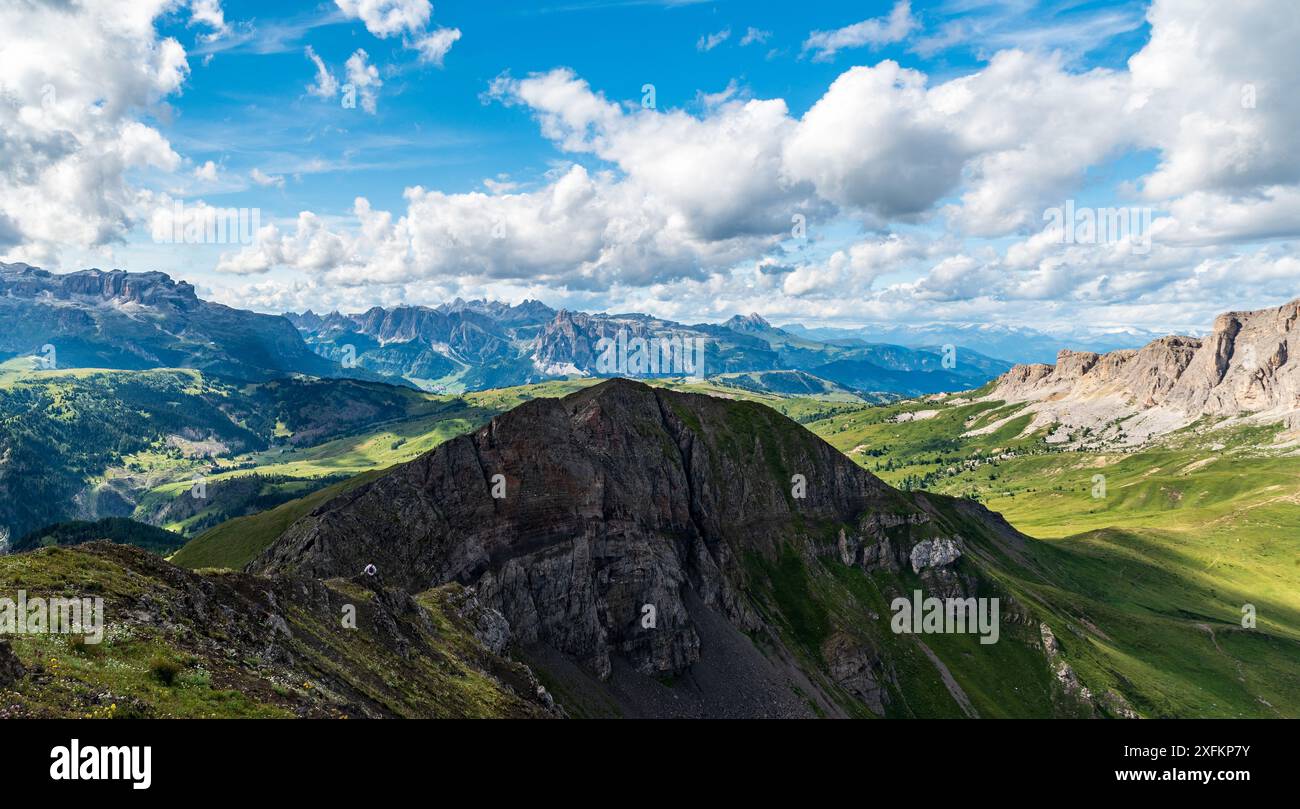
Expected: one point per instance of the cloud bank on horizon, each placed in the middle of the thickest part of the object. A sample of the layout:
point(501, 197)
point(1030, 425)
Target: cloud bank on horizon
point(1023, 162)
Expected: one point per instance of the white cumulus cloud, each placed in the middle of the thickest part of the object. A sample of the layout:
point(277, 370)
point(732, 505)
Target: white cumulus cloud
point(435, 46)
point(385, 18)
point(363, 79)
point(874, 32)
point(325, 85)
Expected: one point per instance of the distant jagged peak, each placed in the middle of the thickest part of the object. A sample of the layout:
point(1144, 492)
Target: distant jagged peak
point(307, 320)
point(748, 323)
point(528, 310)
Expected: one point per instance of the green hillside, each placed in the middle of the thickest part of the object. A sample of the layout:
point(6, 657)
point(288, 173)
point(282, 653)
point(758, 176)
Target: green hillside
point(111, 529)
point(1155, 570)
point(97, 443)
point(277, 649)
point(234, 543)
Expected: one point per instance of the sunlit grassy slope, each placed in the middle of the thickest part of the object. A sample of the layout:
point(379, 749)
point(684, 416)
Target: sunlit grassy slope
point(235, 543)
point(1158, 554)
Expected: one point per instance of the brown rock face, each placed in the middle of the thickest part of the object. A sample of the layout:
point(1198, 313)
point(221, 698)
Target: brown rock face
point(1241, 368)
point(627, 527)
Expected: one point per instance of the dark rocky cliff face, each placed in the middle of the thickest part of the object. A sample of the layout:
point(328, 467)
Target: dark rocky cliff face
point(623, 502)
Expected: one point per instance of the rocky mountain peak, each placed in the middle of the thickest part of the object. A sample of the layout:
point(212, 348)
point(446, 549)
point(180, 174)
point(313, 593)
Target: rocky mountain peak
point(1242, 368)
point(748, 323)
point(576, 518)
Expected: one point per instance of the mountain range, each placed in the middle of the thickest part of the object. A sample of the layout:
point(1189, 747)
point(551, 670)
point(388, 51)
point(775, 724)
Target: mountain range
point(134, 321)
point(612, 548)
point(1014, 343)
point(480, 344)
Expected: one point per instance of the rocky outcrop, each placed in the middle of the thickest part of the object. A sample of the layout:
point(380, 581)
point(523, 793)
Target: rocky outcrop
point(145, 288)
point(1242, 368)
point(1071, 691)
point(489, 626)
point(938, 552)
point(857, 670)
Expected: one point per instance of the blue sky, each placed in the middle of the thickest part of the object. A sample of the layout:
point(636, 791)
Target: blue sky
point(923, 145)
point(247, 109)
